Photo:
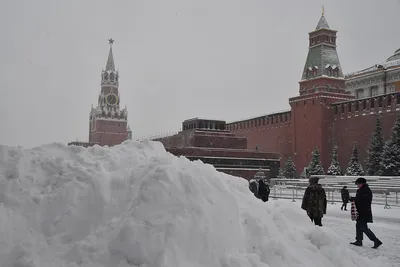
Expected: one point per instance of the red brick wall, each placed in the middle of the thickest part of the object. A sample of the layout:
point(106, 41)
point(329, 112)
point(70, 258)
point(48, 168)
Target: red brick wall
point(312, 127)
point(109, 132)
point(274, 138)
point(307, 131)
point(358, 126)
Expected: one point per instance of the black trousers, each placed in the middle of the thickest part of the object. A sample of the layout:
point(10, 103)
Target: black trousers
point(316, 220)
point(344, 206)
point(361, 229)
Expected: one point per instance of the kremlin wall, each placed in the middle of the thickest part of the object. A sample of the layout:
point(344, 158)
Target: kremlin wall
point(330, 109)
point(324, 114)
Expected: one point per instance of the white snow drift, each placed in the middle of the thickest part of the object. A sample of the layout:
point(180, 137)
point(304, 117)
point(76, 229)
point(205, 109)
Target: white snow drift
point(137, 205)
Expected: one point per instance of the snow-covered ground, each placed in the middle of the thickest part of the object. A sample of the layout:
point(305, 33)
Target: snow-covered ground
point(386, 226)
point(136, 205)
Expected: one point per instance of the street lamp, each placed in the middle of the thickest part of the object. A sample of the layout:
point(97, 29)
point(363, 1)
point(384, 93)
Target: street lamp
point(381, 67)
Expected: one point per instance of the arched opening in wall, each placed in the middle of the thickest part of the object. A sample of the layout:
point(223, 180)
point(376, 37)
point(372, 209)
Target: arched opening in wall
point(380, 102)
point(335, 110)
point(349, 107)
point(372, 103)
point(357, 105)
point(398, 99)
point(364, 104)
point(342, 108)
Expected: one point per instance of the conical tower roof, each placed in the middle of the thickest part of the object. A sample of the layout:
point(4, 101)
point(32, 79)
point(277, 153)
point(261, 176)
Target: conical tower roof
point(322, 23)
point(110, 60)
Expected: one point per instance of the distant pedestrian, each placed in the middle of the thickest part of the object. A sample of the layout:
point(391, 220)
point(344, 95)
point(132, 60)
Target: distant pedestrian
point(345, 197)
point(314, 201)
point(253, 186)
point(363, 200)
point(263, 190)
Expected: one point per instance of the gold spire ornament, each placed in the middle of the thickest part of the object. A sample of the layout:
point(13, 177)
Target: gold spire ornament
point(323, 10)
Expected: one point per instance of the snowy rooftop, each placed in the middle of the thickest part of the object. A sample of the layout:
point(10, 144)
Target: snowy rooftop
point(386, 65)
point(262, 116)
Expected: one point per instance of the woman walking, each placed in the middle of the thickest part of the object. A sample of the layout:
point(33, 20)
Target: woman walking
point(345, 197)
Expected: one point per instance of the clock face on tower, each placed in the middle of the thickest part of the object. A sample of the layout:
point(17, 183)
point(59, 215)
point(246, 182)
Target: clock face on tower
point(111, 99)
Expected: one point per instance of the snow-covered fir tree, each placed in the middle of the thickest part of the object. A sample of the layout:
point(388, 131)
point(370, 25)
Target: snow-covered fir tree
point(290, 169)
point(280, 173)
point(334, 168)
point(315, 167)
point(373, 162)
point(355, 168)
point(390, 161)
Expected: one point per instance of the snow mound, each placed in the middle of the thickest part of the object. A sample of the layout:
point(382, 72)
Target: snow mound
point(137, 205)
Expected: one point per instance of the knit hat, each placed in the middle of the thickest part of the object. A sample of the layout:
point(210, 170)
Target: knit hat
point(360, 181)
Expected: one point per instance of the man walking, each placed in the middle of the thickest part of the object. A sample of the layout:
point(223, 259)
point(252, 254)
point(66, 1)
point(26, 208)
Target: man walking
point(363, 200)
point(314, 201)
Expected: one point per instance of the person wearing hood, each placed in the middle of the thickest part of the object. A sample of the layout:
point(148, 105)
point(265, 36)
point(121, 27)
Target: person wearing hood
point(363, 200)
point(253, 186)
point(263, 190)
point(345, 197)
point(314, 201)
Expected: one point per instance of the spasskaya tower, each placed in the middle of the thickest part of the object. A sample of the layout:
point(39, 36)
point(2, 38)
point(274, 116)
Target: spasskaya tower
point(108, 123)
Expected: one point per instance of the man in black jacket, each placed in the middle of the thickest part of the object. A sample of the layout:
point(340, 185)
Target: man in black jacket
point(363, 200)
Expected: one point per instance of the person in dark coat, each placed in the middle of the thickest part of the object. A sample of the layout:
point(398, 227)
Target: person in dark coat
point(345, 197)
point(314, 201)
point(263, 190)
point(363, 200)
point(253, 187)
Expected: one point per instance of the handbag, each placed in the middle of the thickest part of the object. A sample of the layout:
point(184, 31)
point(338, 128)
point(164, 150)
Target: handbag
point(354, 213)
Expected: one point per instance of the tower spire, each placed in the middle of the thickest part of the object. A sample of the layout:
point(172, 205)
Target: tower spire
point(110, 61)
point(322, 23)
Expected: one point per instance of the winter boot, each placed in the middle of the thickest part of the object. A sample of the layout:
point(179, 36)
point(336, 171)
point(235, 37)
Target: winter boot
point(357, 243)
point(377, 244)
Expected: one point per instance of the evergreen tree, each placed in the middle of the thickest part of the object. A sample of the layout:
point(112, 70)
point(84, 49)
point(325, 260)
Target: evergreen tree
point(355, 168)
point(390, 161)
point(373, 162)
point(290, 169)
point(280, 174)
point(334, 168)
point(315, 167)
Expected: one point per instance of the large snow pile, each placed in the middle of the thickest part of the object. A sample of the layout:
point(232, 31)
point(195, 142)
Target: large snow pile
point(137, 205)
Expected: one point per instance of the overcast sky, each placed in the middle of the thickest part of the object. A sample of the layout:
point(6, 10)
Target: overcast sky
point(178, 59)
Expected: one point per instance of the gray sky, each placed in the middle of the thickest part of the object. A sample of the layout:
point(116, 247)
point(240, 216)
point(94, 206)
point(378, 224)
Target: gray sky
point(224, 59)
